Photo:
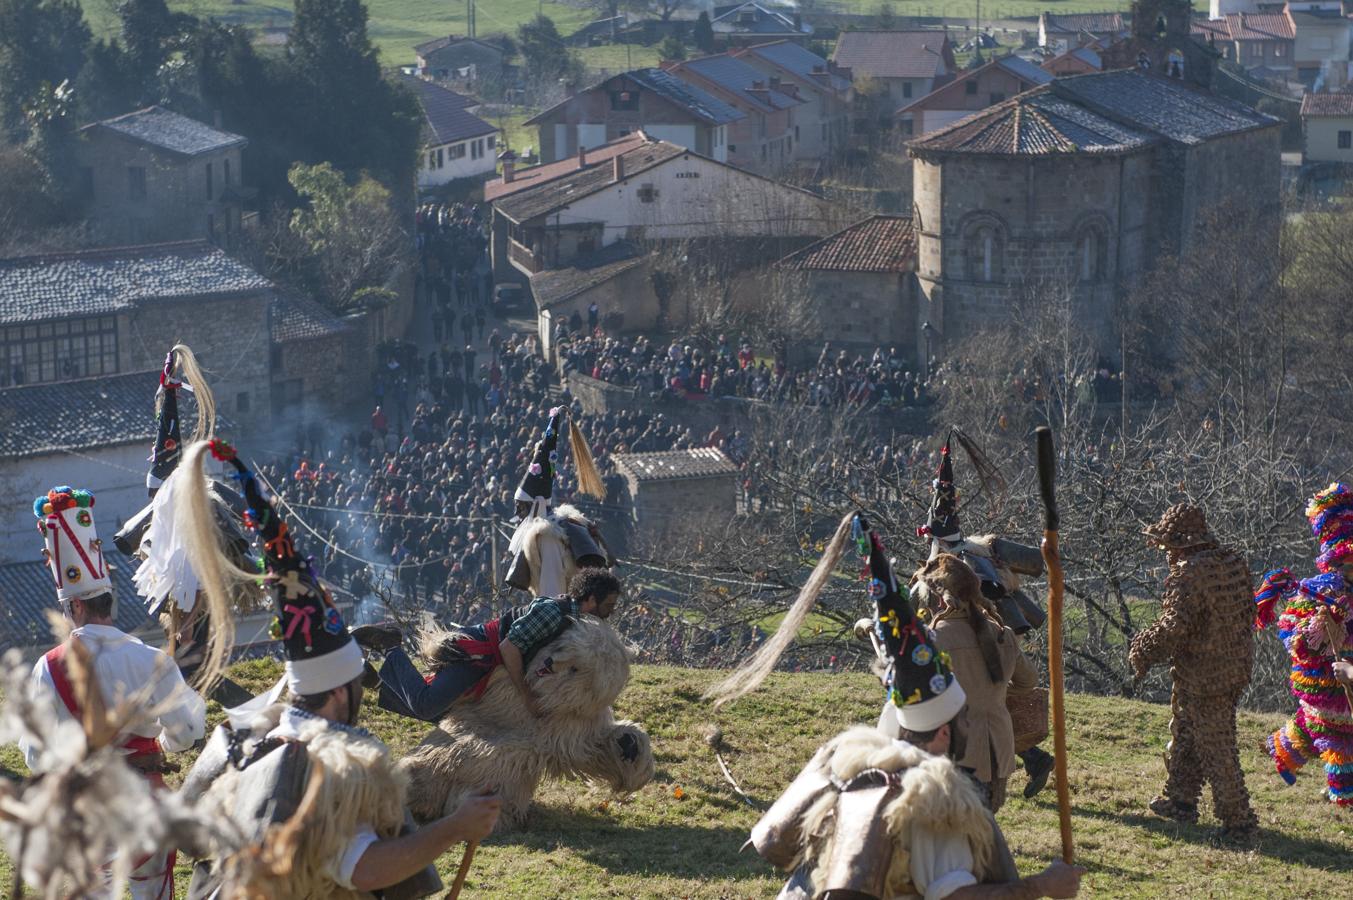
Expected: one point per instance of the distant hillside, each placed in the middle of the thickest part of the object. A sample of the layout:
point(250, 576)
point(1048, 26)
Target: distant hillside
point(656, 845)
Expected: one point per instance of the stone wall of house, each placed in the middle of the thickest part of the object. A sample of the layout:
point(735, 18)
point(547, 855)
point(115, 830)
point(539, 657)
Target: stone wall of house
point(326, 373)
point(859, 311)
point(1243, 168)
point(176, 205)
point(658, 511)
point(231, 337)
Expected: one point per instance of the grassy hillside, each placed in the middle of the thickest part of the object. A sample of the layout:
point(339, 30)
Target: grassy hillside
point(659, 845)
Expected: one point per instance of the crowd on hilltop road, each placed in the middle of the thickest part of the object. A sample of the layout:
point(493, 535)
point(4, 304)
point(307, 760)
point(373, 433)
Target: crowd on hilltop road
point(687, 371)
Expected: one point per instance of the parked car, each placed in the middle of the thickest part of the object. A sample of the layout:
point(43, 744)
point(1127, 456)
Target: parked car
point(508, 298)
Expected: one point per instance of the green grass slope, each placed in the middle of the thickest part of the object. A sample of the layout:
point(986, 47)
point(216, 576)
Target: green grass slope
point(656, 844)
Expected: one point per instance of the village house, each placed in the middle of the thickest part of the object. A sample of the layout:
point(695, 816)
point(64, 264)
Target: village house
point(862, 283)
point(1148, 155)
point(459, 58)
point(92, 328)
point(762, 140)
point(617, 279)
point(659, 103)
point(1066, 31)
point(1327, 126)
point(1263, 43)
point(751, 23)
point(975, 89)
point(822, 123)
point(456, 143)
point(907, 65)
point(1079, 61)
point(665, 492)
point(155, 175)
point(1321, 43)
point(657, 191)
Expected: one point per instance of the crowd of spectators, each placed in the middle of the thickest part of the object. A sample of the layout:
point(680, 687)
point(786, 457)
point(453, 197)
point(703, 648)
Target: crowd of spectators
point(686, 371)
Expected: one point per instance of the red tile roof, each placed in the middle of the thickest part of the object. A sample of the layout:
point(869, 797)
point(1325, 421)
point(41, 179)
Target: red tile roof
point(529, 178)
point(878, 244)
point(1327, 105)
point(892, 54)
point(1260, 27)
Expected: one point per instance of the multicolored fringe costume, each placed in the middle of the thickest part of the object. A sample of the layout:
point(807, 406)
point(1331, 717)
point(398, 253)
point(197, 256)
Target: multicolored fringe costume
point(1323, 724)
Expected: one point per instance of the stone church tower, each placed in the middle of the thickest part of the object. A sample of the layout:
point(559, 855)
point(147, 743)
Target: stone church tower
point(1162, 43)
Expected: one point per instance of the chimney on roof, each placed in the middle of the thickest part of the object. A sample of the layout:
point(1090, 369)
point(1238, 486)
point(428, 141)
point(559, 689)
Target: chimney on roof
point(775, 82)
point(582, 156)
point(508, 159)
point(618, 168)
point(216, 118)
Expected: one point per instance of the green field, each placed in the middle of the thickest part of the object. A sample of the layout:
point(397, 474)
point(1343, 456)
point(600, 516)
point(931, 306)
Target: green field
point(656, 845)
point(397, 25)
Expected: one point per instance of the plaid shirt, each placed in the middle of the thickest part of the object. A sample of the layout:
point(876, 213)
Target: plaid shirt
point(539, 623)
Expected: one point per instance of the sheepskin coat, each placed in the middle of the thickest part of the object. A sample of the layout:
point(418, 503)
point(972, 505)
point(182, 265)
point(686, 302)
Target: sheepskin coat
point(495, 740)
point(361, 786)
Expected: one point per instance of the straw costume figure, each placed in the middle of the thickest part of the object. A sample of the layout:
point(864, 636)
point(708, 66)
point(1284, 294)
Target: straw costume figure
point(551, 544)
point(1315, 621)
point(1204, 633)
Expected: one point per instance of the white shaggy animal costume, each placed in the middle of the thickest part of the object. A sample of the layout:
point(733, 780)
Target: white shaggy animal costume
point(495, 739)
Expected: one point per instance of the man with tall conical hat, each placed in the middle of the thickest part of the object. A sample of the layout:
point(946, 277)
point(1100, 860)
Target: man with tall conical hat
point(999, 564)
point(171, 718)
point(1315, 621)
point(164, 579)
point(257, 766)
point(885, 813)
point(552, 543)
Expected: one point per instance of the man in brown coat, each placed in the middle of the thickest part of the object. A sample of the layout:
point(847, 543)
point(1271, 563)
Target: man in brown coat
point(1205, 634)
point(986, 658)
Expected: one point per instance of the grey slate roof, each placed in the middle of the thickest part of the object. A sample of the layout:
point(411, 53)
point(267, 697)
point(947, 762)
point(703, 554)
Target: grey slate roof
point(546, 198)
point(670, 465)
point(769, 19)
point(801, 61)
point(170, 131)
point(1075, 23)
point(699, 101)
point(1022, 68)
point(1162, 105)
point(87, 412)
point(296, 318)
point(446, 115)
point(553, 286)
point(101, 282)
point(735, 76)
point(27, 593)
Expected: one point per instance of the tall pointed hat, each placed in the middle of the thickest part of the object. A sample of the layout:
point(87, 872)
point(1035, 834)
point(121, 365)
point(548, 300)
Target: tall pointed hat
point(72, 549)
point(164, 456)
point(919, 681)
point(537, 485)
point(942, 524)
point(321, 655)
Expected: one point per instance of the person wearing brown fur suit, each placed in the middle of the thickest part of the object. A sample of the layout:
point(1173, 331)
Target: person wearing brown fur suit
point(1205, 634)
point(986, 657)
point(496, 740)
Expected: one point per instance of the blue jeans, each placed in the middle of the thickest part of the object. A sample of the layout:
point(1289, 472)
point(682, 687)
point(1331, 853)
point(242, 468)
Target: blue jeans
point(404, 691)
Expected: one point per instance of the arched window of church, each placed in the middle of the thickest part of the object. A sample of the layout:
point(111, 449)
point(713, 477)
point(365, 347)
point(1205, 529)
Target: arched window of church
point(984, 253)
point(1090, 255)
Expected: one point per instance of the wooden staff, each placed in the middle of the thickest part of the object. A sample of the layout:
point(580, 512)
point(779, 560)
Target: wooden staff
point(1335, 636)
point(1047, 469)
point(463, 871)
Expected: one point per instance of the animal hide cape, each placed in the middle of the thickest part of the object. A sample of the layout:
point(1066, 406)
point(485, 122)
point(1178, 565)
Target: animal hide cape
point(495, 740)
point(360, 785)
point(809, 828)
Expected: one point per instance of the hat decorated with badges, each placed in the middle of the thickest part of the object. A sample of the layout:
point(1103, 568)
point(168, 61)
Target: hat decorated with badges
point(1330, 513)
point(73, 551)
point(942, 523)
point(919, 681)
point(320, 653)
point(538, 482)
